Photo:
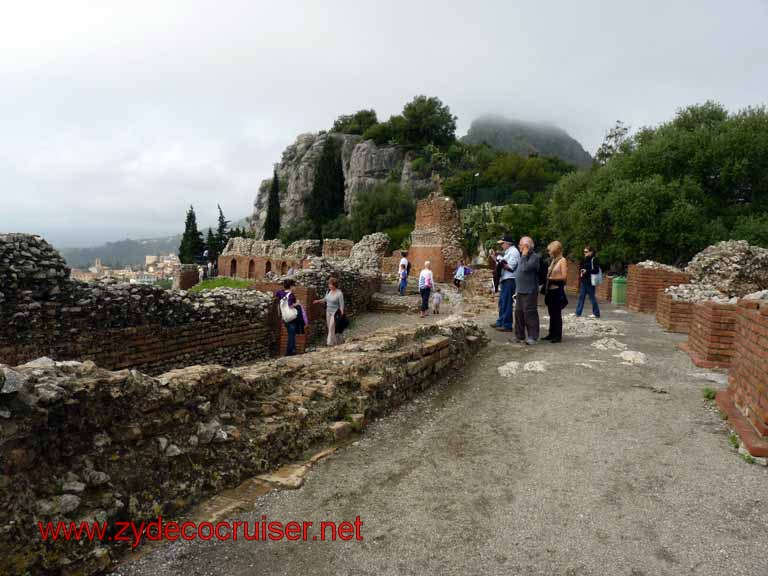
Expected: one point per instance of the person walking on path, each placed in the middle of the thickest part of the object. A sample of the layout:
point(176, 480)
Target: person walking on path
point(509, 262)
point(426, 283)
point(589, 266)
point(334, 303)
point(527, 294)
point(290, 313)
point(403, 276)
point(554, 291)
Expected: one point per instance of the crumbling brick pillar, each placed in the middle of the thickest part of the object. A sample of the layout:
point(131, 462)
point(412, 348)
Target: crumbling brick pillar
point(712, 334)
point(673, 315)
point(645, 283)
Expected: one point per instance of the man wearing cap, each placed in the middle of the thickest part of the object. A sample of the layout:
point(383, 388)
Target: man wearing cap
point(509, 263)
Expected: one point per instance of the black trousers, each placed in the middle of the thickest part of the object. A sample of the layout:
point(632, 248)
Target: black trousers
point(425, 292)
point(555, 309)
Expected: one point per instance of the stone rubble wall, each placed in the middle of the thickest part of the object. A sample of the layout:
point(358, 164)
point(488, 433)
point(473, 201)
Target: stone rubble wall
point(44, 313)
point(337, 248)
point(733, 267)
point(80, 442)
point(437, 236)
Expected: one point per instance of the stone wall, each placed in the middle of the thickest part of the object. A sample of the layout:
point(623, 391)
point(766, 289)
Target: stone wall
point(746, 400)
point(44, 313)
point(80, 442)
point(644, 282)
point(315, 316)
point(337, 248)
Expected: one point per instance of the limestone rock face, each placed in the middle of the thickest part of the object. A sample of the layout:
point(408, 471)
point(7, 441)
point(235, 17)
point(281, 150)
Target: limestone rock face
point(364, 163)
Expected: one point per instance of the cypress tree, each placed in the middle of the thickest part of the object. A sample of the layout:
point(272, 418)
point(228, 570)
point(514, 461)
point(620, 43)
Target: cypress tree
point(327, 199)
point(221, 232)
point(272, 221)
point(191, 247)
point(212, 243)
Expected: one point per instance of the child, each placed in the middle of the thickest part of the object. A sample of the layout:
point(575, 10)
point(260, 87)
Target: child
point(403, 274)
point(437, 299)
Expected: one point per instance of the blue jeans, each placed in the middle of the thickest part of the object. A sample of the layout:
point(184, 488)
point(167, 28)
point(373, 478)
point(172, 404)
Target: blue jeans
point(401, 288)
point(584, 289)
point(290, 349)
point(506, 302)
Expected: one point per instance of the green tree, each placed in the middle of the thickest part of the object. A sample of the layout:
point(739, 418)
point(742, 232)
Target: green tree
point(380, 209)
point(272, 220)
point(356, 123)
point(191, 247)
point(427, 121)
point(212, 243)
point(222, 237)
point(326, 200)
point(613, 143)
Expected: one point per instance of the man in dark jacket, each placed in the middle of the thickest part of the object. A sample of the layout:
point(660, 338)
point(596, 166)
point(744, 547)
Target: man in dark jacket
point(589, 265)
point(526, 304)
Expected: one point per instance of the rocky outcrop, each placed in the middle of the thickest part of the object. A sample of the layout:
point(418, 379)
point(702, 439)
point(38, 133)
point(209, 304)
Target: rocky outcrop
point(364, 163)
point(733, 267)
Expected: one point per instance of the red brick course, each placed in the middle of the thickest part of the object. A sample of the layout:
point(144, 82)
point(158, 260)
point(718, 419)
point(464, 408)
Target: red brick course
point(644, 285)
point(748, 377)
point(605, 289)
point(673, 315)
point(712, 334)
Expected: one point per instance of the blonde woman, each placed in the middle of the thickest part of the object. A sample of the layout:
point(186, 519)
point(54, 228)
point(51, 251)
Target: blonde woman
point(554, 291)
point(426, 283)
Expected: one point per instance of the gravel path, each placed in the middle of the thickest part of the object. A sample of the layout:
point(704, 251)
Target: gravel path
point(577, 462)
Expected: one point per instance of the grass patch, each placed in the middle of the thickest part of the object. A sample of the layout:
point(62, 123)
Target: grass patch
point(709, 393)
point(734, 440)
point(221, 282)
point(747, 458)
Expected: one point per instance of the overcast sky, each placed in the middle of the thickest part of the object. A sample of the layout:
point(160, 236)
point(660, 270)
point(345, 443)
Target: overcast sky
point(115, 116)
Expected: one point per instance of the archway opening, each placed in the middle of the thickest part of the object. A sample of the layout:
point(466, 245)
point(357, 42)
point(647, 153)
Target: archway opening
point(251, 269)
point(233, 268)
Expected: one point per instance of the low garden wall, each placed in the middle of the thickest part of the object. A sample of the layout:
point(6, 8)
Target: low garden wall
point(711, 336)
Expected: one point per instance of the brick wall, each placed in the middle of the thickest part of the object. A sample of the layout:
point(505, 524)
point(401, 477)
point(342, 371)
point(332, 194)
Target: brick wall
point(644, 284)
point(188, 276)
point(605, 290)
point(711, 336)
point(420, 254)
point(746, 400)
point(572, 283)
point(255, 267)
point(673, 315)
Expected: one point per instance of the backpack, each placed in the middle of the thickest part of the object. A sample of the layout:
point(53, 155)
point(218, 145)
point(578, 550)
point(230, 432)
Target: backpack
point(288, 313)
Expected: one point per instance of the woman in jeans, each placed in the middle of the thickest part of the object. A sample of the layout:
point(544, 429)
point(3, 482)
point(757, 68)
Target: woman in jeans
point(334, 302)
point(588, 266)
point(426, 282)
point(291, 327)
point(554, 291)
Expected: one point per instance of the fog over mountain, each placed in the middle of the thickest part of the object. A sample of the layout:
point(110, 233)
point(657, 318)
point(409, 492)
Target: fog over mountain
point(116, 116)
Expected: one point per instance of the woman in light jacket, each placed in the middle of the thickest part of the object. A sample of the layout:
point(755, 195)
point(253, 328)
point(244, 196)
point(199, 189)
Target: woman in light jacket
point(334, 302)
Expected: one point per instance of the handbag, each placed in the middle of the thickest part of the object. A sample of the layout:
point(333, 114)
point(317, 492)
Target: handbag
point(596, 279)
point(286, 311)
point(341, 322)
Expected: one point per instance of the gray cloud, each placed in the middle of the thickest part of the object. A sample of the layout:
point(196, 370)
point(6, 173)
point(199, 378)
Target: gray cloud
point(116, 116)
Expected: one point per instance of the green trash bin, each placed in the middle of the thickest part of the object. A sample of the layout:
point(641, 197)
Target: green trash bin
point(619, 291)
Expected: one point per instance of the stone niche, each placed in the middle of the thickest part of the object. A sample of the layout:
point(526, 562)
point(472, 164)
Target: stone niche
point(437, 236)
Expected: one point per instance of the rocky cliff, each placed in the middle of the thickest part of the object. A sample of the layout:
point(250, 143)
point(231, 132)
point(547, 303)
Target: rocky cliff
point(364, 163)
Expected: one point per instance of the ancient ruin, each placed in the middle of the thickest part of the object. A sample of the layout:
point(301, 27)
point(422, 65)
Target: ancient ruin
point(437, 235)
